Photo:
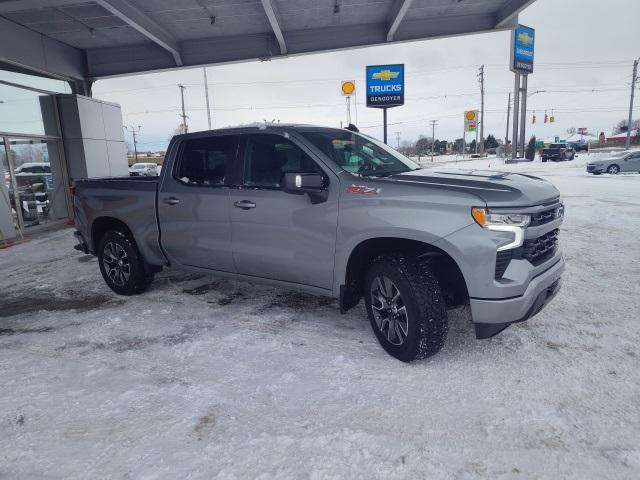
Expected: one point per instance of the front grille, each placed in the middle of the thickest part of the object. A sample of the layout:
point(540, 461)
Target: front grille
point(502, 262)
point(543, 217)
point(591, 168)
point(541, 249)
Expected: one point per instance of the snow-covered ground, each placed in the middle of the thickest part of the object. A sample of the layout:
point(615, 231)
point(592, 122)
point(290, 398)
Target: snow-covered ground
point(208, 378)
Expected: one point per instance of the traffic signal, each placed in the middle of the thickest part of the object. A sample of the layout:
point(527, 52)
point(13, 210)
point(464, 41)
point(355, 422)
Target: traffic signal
point(552, 119)
point(546, 118)
point(533, 119)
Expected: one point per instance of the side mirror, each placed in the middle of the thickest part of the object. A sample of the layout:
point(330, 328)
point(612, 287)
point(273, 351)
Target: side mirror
point(312, 184)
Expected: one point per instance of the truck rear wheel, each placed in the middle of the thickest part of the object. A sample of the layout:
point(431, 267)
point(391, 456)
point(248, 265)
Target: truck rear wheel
point(405, 307)
point(121, 264)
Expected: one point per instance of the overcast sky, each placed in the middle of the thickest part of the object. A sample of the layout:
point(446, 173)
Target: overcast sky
point(584, 55)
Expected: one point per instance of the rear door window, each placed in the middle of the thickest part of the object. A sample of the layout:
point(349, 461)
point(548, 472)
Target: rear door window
point(206, 161)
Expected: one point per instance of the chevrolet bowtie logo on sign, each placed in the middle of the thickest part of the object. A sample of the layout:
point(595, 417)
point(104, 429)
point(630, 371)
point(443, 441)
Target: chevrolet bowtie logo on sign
point(385, 75)
point(385, 86)
point(525, 38)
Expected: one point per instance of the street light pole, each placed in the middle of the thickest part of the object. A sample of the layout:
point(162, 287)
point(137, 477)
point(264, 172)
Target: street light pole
point(433, 136)
point(481, 80)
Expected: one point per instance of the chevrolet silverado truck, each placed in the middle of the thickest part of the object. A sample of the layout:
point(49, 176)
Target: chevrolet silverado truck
point(557, 152)
point(335, 213)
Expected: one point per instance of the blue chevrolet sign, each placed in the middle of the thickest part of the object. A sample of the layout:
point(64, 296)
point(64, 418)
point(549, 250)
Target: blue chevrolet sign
point(385, 85)
point(522, 47)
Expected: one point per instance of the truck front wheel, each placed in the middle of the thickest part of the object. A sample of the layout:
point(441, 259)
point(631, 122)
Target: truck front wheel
point(121, 264)
point(405, 306)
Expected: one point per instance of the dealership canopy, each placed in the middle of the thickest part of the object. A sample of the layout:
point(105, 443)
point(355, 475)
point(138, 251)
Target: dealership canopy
point(84, 40)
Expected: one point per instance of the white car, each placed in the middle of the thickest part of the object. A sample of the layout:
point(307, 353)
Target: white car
point(143, 170)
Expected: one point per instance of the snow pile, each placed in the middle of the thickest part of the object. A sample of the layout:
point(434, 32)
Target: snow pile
point(205, 378)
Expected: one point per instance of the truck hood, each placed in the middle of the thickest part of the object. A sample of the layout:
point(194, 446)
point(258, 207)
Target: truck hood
point(496, 188)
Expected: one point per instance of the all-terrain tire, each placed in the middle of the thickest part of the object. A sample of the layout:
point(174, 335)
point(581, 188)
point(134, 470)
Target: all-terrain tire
point(140, 275)
point(424, 302)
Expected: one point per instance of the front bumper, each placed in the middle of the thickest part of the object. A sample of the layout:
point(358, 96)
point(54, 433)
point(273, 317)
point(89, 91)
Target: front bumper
point(595, 169)
point(494, 315)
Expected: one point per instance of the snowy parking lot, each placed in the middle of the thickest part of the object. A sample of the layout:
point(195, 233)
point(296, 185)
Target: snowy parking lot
point(207, 378)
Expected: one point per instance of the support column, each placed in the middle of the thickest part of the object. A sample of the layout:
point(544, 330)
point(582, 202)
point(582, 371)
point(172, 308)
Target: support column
point(523, 115)
point(81, 87)
point(516, 107)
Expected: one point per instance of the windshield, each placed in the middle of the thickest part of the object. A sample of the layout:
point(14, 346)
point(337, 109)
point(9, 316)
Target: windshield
point(138, 166)
point(360, 154)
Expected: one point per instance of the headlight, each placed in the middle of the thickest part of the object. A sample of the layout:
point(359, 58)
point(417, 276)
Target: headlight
point(503, 222)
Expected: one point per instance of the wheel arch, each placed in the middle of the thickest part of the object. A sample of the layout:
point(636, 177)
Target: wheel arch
point(446, 269)
point(103, 224)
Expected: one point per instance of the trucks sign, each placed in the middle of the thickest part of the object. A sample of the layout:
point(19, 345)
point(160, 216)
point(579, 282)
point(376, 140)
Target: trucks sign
point(385, 86)
point(522, 47)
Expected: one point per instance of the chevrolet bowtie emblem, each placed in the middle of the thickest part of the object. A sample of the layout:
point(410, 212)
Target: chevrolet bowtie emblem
point(385, 75)
point(525, 38)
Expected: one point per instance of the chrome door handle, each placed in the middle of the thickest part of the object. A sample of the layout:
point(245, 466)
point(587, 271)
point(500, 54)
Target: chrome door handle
point(171, 201)
point(244, 204)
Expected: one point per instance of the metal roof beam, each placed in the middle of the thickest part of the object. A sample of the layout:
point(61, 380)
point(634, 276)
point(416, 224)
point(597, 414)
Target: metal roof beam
point(398, 11)
point(136, 18)
point(507, 15)
point(123, 60)
point(276, 23)
point(9, 6)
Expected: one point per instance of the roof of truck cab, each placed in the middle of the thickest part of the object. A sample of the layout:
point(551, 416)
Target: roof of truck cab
point(259, 128)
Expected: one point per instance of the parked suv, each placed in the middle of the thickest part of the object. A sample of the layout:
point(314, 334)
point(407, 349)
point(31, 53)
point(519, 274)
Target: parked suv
point(335, 213)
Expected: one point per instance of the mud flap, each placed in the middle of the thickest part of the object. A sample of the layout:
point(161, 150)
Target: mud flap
point(488, 330)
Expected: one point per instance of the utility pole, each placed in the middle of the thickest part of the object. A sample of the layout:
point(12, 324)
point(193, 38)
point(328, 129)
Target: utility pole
point(134, 132)
point(185, 128)
point(481, 80)
point(433, 136)
point(634, 78)
point(506, 137)
point(398, 140)
point(206, 94)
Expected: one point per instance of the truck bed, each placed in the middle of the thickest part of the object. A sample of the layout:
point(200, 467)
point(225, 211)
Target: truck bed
point(131, 200)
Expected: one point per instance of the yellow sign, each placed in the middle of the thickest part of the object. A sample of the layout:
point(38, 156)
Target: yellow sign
point(385, 75)
point(348, 87)
point(470, 115)
point(525, 38)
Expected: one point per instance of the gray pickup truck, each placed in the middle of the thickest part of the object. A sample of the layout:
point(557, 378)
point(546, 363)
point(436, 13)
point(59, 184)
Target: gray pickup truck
point(336, 213)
